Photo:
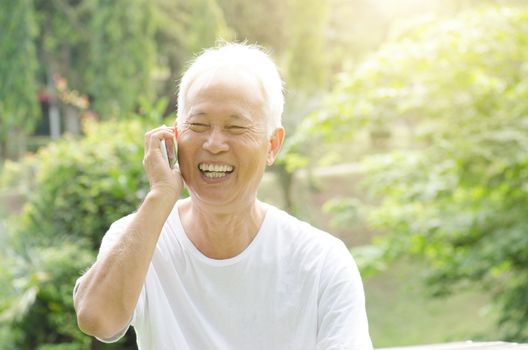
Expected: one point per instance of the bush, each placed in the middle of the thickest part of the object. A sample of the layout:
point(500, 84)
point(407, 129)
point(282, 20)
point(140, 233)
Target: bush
point(81, 187)
point(84, 185)
point(41, 310)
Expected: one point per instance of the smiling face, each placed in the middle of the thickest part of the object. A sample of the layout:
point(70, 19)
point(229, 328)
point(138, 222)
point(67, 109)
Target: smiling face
point(223, 139)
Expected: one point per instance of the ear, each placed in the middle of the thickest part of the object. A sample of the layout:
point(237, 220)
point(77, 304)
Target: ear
point(275, 144)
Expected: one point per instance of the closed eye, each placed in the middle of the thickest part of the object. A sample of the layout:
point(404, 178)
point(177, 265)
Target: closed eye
point(198, 127)
point(236, 128)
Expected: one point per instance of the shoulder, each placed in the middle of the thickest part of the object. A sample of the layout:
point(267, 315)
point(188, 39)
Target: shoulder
point(122, 222)
point(300, 230)
point(118, 226)
point(302, 240)
point(113, 233)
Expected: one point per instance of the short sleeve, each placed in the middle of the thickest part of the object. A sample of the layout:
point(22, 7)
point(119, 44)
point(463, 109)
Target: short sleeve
point(108, 240)
point(113, 233)
point(110, 237)
point(342, 317)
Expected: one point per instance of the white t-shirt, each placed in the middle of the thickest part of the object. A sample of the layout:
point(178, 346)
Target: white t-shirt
point(293, 287)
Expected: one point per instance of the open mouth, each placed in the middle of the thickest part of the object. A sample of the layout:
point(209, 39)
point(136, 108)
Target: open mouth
point(215, 171)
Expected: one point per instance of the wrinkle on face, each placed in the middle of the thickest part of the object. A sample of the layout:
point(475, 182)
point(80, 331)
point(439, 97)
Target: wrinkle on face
point(224, 84)
point(224, 121)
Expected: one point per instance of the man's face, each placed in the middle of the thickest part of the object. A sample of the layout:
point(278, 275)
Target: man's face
point(223, 141)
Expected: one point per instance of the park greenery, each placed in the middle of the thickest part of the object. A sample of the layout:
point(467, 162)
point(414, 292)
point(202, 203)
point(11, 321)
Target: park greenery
point(455, 194)
point(18, 106)
point(441, 100)
point(58, 232)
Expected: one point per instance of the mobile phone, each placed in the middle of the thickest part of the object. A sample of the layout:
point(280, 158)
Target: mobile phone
point(170, 156)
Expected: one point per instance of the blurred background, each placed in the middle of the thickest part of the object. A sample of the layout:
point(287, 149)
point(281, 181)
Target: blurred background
point(407, 137)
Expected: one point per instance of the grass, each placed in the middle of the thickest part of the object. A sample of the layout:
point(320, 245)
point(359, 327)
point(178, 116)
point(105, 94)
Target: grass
point(401, 313)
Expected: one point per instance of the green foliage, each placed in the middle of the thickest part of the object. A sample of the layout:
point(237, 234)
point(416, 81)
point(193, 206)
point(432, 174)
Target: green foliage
point(16, 179)
point(304, 61)
point(41, 305)
point(122, 52)
point(103, 49)
point(118, 53)
point(18, 89)
point(345, 211)
point(19, 174)
point(457, 199)
point(84, 185)
point(262, 22)
point(206, 24)
point(81, 187)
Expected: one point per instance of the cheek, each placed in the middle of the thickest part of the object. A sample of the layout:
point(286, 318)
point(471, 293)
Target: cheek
point(185, 151)
point(253, 140)
point(183, 133)
point(256, 155)
point(188, 140)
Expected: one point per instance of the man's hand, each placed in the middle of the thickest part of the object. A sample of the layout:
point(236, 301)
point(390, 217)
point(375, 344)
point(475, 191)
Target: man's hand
point(161, 176)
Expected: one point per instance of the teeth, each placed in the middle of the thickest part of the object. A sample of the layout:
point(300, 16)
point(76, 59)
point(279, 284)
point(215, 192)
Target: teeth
point(215, 167)
point(214, 174)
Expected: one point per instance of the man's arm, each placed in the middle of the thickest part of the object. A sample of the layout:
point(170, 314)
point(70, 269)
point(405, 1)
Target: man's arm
point(106, 296)
point(342, 319)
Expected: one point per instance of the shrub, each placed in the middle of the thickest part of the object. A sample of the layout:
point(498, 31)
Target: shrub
point(84, 185)
point(81, 186)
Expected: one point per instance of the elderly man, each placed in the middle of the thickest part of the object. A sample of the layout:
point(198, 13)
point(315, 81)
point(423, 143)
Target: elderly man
point(221, 269)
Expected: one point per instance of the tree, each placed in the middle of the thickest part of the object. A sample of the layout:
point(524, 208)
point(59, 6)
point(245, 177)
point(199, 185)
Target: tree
point(122, 55)
point(456, 197)
point(119, 54)
point(18, 84)
point(183, 29)
point(103, 49)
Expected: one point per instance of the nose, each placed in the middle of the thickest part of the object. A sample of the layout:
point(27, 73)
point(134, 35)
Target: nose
point(216, 142)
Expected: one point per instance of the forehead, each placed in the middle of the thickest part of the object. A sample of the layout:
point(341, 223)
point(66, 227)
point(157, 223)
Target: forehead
point(228, 88)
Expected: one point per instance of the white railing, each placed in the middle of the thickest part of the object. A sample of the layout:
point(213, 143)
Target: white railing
point(465, 345)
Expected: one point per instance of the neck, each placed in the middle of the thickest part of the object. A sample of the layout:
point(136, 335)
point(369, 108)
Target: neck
point(221, 235)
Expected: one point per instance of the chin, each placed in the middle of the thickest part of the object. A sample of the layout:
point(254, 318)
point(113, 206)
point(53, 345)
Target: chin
point(223, 200)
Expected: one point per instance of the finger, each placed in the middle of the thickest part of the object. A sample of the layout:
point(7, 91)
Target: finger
point(156, 138)
point(153, 137)
point(153, 131)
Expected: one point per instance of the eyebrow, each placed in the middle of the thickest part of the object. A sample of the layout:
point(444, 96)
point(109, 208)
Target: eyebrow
point(240, 117)
point(232, 116)
point(197, 114)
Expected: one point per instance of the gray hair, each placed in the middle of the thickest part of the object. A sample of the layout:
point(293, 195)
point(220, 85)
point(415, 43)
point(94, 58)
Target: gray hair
point(245, 56)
